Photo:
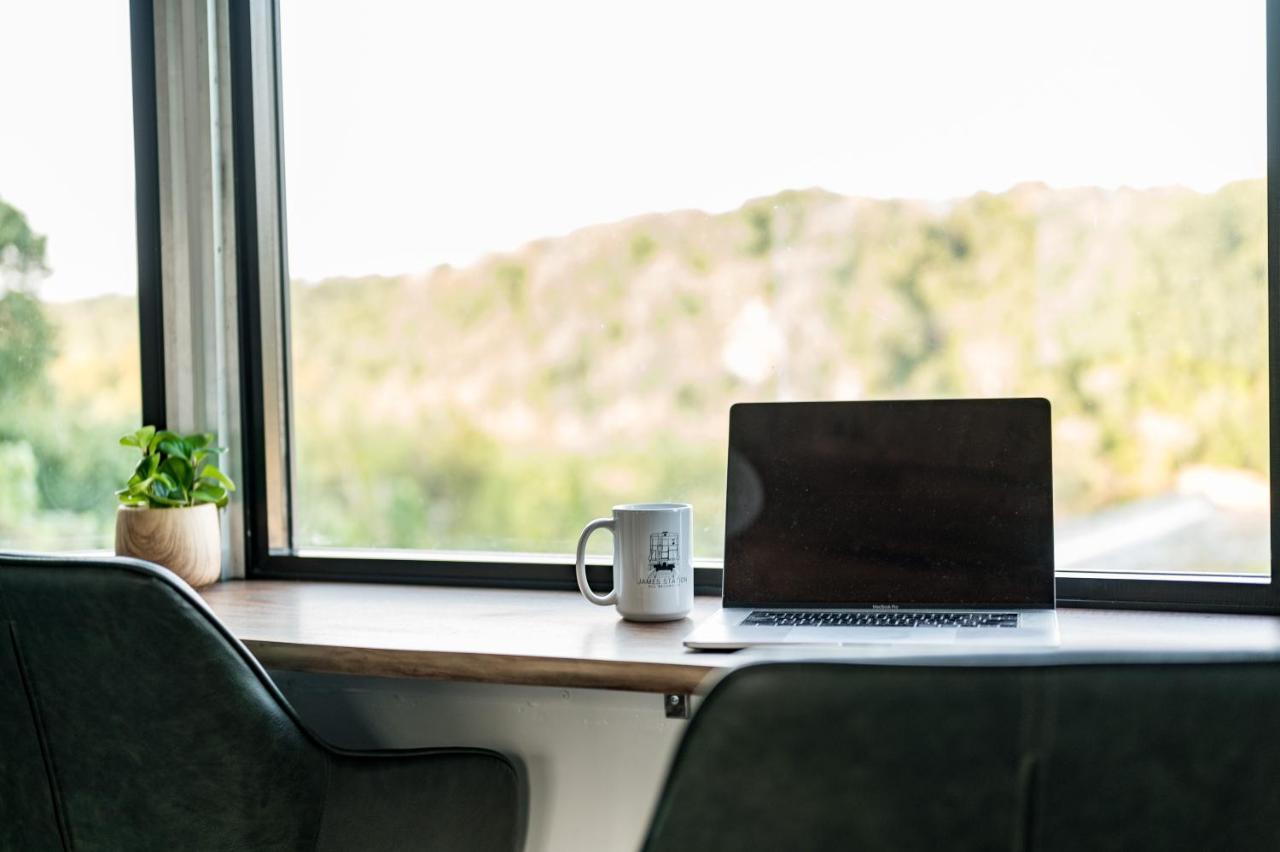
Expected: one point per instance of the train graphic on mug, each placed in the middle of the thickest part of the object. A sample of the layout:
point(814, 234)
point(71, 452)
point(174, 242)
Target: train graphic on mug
point(664, 553)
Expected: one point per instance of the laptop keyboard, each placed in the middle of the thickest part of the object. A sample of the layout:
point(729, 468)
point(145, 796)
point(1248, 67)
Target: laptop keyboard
point(878, 618)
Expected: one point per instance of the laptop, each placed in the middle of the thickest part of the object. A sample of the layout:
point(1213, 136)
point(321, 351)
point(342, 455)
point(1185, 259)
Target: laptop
point(916, 522)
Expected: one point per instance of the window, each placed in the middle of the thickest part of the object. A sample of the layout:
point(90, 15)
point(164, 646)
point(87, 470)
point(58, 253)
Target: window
point(69, 355)
point(531, 264)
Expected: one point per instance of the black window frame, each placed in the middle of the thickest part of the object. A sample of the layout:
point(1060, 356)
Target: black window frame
point(146, 159)
point(1186, 592)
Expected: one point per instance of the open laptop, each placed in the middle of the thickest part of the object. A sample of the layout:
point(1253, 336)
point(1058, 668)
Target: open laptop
point(925, 522)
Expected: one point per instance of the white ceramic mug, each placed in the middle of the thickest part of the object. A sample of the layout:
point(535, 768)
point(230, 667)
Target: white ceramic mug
point(652, 563)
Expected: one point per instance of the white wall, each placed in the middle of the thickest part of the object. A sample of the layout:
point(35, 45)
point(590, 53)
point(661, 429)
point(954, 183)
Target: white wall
point(595, 759)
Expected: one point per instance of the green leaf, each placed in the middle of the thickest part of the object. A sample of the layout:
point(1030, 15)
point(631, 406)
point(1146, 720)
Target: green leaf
point(160, 437)
point(212, 474)
point(175, 447)
point(140, 439)
point(179, 471)
point(199, 440)
point(208, 494)
point(165, 486)
point(166, 501)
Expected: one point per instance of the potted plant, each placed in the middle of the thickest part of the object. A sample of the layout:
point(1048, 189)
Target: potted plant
point(168, 510)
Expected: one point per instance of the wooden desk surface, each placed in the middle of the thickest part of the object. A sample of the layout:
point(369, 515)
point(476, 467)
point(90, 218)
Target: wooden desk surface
point(476, 634)
point(558, 639)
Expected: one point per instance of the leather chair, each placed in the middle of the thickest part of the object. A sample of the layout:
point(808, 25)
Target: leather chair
point(1103, 756)
point(131, 719)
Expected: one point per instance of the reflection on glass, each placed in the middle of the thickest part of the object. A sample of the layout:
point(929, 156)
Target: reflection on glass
point(69, 368)
point(537, 253)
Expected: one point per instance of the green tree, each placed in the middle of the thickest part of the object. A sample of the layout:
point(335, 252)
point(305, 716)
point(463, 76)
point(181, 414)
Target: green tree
point(26, 335)
point(21, 248)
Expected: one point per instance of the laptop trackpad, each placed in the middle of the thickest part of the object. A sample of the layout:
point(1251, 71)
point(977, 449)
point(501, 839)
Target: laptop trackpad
point(873, 635)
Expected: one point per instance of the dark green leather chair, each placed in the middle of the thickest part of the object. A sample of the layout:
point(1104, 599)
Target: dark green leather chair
point(1104, 756)
point(130, 719)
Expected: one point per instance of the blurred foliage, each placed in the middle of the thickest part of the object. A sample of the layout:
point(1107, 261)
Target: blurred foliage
point(26, 344)
point(68, 385)
point(21, 249)
point(26, 338)
point(502, 405)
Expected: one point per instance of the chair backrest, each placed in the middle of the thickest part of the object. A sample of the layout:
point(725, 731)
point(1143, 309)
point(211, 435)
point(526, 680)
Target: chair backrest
point(130, 719)
point(832, 756)
point(27, 816)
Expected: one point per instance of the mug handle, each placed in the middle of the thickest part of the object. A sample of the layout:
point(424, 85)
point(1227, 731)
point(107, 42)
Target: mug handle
point(598, 600)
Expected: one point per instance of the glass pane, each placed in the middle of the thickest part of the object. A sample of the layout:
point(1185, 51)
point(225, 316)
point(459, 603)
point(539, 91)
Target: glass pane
point(69, 364)
point(537, 250)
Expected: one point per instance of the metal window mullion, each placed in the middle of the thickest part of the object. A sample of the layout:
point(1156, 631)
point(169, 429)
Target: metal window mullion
point(147, 209)
point(259, 261)
point(201, 391)
point(272, 293)
point(230, 388)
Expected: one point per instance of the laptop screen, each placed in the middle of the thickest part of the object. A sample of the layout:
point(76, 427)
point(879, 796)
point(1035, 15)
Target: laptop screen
point(924, 503)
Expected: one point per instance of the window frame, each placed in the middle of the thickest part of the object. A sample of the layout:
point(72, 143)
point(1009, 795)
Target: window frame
point(266, 419)
point(147, 215)
point(146, 158)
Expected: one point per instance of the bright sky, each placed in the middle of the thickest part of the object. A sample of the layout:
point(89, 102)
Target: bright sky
point(66, 138)
point(421, 133)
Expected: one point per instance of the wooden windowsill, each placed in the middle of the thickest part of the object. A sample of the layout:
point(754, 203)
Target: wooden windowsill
point(558, 639)
point(475, 634)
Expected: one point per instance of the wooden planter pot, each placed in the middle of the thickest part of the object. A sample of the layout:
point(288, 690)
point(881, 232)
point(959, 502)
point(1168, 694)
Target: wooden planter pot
point(184, 540)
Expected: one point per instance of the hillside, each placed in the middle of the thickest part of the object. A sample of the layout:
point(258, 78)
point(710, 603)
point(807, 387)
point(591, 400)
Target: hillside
point(59, 464)
point(503, 404)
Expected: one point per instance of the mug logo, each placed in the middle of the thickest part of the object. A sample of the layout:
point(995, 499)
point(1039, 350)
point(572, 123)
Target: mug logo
point(664, 554)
